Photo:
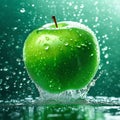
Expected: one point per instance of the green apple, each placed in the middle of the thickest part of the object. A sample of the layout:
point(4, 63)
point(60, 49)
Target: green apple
point(63, 58)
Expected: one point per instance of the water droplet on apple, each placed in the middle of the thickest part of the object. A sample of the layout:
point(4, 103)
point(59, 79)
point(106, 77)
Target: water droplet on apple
point(47, 47)
point(47, 38)
point(59, 88)
point(66, 44)
point(83, 45)
point(80, 35)
point(50, 86)
point(91, 54)
point(51, 81)
point(54, 62)
point(89, 43)
point(78, 46)
point(44, 64)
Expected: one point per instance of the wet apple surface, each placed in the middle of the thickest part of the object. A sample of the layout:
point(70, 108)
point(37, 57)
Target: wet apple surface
point(62, 58)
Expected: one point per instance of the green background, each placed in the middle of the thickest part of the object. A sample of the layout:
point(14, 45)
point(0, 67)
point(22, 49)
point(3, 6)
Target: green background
point(19, 17)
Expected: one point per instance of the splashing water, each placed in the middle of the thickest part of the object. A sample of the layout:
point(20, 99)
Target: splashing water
point(15, 85)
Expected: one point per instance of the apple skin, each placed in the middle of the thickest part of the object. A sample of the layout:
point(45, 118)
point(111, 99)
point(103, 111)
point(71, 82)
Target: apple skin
point(63, 58)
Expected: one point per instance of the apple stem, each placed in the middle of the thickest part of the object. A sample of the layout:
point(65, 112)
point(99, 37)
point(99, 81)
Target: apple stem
point(54, 19)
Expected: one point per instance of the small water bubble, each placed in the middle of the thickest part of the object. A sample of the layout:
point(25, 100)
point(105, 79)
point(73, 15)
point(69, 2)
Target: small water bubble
point(22, 10)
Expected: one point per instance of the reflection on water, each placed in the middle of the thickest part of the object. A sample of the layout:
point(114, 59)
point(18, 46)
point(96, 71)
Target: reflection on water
point(60, 112)
point(99, 108)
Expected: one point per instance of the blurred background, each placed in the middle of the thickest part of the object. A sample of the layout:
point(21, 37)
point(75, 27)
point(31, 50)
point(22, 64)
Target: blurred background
point(19, 18)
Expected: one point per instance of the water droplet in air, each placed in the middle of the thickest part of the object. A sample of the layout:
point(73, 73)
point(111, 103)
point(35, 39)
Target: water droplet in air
point(107, 62)
point(15, 28)
point(105, 48)
point(22, 10)
point(5, 69)
point(7, 77)
point(106, 55)
point(7, 86)
point(76, 7)
point(96, 19)
point(81, 6)
point(70, 3)
point(33, 5)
